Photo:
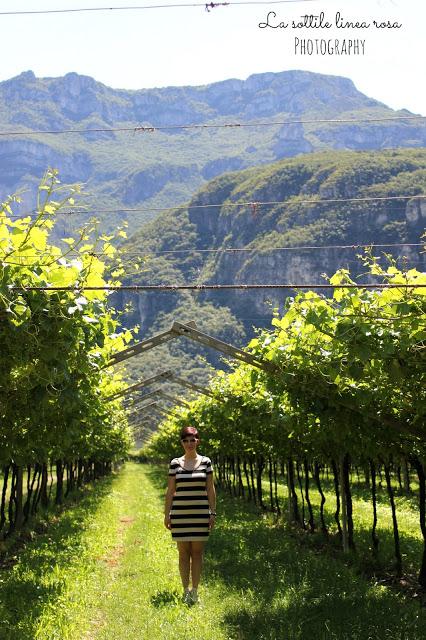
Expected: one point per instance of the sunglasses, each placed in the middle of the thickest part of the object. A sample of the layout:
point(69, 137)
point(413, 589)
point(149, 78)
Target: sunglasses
point(186, 440)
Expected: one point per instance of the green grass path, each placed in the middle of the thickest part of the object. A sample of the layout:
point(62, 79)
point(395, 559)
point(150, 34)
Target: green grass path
point(107, 570)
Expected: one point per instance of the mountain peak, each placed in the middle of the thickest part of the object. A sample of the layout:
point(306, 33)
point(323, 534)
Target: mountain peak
point(20, 79)
point(27, 75)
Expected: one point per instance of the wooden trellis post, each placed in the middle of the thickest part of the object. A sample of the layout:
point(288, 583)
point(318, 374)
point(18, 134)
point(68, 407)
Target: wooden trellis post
point(190, 331)
point(164, 375)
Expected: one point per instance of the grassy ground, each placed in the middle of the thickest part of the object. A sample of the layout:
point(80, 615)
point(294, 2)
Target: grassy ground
point(107, 570)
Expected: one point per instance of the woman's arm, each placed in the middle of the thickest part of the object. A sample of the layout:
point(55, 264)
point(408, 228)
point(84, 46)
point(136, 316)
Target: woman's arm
point(171, 488)
point(211, 494)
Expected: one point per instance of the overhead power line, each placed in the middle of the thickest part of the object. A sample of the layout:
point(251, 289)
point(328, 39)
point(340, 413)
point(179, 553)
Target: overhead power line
point(203, 287)
point(238, 125)
point(205, 5)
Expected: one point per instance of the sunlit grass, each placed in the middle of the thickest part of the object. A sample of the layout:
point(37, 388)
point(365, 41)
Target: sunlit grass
point(59, 575)
point(107, 570)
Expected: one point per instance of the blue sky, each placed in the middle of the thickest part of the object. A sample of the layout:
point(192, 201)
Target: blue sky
point(189, 46)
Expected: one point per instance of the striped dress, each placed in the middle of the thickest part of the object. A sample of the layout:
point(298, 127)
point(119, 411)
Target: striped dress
point(189, 514)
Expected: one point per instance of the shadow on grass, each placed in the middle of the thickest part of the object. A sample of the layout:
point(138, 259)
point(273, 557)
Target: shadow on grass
point(165, 598)
point(382, 563)
point(287, 591)
point(23, 589)
point(295, 593)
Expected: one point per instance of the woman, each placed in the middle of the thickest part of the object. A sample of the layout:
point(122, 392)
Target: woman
point(190, 509)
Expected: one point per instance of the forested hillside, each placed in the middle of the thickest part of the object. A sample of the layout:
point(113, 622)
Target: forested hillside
point(190, 245)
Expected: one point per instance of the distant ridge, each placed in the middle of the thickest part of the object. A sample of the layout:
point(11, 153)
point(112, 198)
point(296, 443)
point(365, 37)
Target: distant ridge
point(166, 167)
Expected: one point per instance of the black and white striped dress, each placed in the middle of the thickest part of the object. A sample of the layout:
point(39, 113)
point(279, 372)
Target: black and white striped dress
point(189, 514)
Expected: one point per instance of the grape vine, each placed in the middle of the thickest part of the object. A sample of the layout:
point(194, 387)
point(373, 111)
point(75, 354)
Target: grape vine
point(53, 346)
point(348, 391)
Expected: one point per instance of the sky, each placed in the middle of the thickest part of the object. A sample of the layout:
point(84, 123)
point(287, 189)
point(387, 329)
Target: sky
point(192, 46)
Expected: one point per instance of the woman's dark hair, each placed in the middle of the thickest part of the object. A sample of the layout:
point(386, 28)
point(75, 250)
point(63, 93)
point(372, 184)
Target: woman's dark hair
point(189, 431)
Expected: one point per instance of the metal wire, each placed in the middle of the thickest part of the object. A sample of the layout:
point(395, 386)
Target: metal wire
point(202, 287)
point(151, 129)
point(154, 6)
point(142, 254)
point(75, 211)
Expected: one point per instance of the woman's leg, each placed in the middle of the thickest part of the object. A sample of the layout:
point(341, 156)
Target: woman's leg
point(197, 549)
point(184, 549)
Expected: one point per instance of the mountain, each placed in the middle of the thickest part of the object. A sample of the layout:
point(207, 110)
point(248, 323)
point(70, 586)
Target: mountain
point(161, 168)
